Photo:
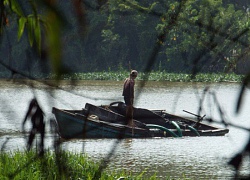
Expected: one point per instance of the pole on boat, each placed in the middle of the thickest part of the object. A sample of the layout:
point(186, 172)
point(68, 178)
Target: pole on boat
point(200, 118)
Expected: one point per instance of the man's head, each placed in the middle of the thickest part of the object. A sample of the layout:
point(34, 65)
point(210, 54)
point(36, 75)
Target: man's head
point(134, 74)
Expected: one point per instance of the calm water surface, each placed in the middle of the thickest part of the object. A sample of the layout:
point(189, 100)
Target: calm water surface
point(196, 157)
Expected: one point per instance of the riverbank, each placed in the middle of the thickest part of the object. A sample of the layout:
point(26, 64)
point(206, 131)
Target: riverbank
point(63, 165)
point(156, 76)
point(152, 76)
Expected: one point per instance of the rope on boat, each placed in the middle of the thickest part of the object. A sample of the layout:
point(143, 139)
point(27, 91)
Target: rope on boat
point(162, 128)
point(193, 130)
point(177, 127)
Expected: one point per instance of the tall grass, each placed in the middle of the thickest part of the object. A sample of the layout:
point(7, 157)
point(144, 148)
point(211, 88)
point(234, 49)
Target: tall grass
point(66, 165)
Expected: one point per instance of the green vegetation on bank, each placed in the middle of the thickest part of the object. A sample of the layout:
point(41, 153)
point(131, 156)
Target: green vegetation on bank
point(155, 76)
point(152, 76)
point(66, 165)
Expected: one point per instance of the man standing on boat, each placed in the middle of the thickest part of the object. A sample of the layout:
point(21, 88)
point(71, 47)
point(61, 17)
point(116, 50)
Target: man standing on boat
point(128, 93)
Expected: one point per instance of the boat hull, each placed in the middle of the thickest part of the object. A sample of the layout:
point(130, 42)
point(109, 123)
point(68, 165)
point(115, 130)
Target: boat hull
point(76, 125)
point(110, 122)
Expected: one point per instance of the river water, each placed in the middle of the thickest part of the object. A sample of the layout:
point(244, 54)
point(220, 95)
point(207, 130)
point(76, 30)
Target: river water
point(190, 157)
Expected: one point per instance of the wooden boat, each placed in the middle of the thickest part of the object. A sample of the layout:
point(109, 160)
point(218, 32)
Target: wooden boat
point(189, 127)
point(109, 121)
point(77, 124)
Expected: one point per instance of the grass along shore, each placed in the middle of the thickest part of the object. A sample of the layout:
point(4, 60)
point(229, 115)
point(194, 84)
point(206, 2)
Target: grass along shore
point(152, 76)
point(66, 165)
point(155, 76)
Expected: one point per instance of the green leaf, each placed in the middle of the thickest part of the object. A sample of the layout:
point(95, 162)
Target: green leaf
point(15, 7)
point(53, 27)
point(37, 32)
point(31, 30)
point(21, 25)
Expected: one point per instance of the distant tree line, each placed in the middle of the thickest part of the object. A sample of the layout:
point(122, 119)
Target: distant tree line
point(192, 36)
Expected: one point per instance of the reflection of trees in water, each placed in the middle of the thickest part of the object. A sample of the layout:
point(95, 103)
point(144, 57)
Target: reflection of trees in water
point(215, 44)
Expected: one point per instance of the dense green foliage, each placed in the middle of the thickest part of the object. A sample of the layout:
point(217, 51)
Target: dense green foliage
point(66, 165)
point(193, 40)
point(187, 36)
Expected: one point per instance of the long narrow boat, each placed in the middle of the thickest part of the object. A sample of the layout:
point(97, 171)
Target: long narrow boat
point(109, 121)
